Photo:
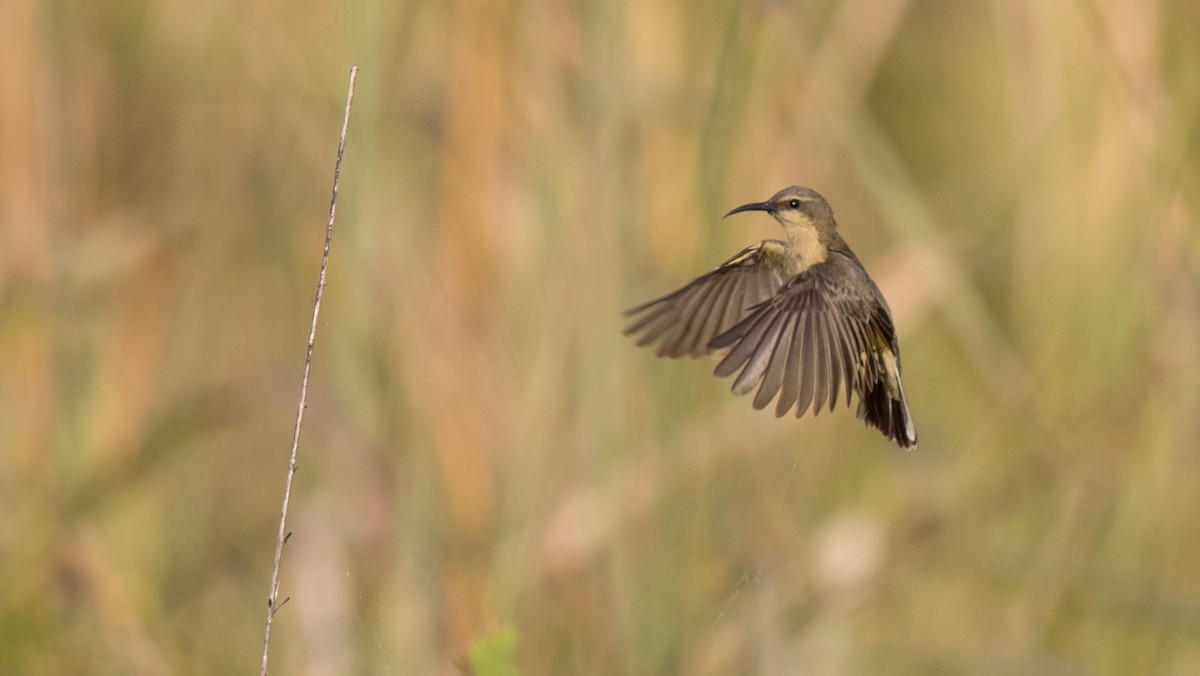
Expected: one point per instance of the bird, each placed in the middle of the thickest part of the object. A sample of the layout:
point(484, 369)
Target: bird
point(799, 318)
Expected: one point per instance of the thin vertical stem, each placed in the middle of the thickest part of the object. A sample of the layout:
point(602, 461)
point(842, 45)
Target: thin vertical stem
point(273, 605)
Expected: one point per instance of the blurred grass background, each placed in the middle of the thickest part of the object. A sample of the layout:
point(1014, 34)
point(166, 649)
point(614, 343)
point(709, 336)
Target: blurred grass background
point(484, 454)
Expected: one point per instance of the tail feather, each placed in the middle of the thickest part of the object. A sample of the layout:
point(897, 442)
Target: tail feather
point(889, 414)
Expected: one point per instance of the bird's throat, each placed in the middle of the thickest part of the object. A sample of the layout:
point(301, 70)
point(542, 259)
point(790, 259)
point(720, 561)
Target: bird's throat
point(805, 248)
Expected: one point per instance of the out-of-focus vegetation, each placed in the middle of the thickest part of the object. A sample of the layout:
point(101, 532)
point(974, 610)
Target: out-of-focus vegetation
point(483, 448)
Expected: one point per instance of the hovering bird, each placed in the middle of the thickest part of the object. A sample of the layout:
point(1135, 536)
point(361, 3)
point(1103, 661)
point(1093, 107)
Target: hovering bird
point(799, 319)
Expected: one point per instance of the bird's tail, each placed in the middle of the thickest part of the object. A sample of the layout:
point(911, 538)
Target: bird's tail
point(888, 413)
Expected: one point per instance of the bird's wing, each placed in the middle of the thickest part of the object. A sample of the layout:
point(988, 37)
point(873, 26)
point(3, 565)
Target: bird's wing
point(688, 319)
point(828, 327)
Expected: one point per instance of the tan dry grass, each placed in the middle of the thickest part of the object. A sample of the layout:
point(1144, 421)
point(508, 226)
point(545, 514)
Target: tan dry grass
point(482, 447)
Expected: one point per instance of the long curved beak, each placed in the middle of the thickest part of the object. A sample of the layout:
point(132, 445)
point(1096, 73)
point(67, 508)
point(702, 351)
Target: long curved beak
point(753, 206)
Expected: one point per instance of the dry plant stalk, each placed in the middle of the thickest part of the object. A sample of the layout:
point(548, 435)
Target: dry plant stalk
point(273, 605)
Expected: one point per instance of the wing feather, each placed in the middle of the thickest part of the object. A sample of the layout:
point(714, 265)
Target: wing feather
point(686, 320)
point(773, 377)
point(755, 353)
point(805, 393)
point(791, 380)
point(820, 350)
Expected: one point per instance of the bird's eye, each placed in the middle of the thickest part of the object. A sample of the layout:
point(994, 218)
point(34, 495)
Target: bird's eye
point(794, 203)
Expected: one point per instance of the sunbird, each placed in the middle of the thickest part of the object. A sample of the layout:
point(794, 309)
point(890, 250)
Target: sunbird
point(799, 318)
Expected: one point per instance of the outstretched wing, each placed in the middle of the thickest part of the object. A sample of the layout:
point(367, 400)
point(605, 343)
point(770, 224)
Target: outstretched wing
point(688, 319)
point(827, 328)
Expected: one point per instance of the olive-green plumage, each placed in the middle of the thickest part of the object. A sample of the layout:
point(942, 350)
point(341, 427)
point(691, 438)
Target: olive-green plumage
point(799, 319)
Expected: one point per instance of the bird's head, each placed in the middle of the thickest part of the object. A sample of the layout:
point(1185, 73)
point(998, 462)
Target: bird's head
point(794, 206)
